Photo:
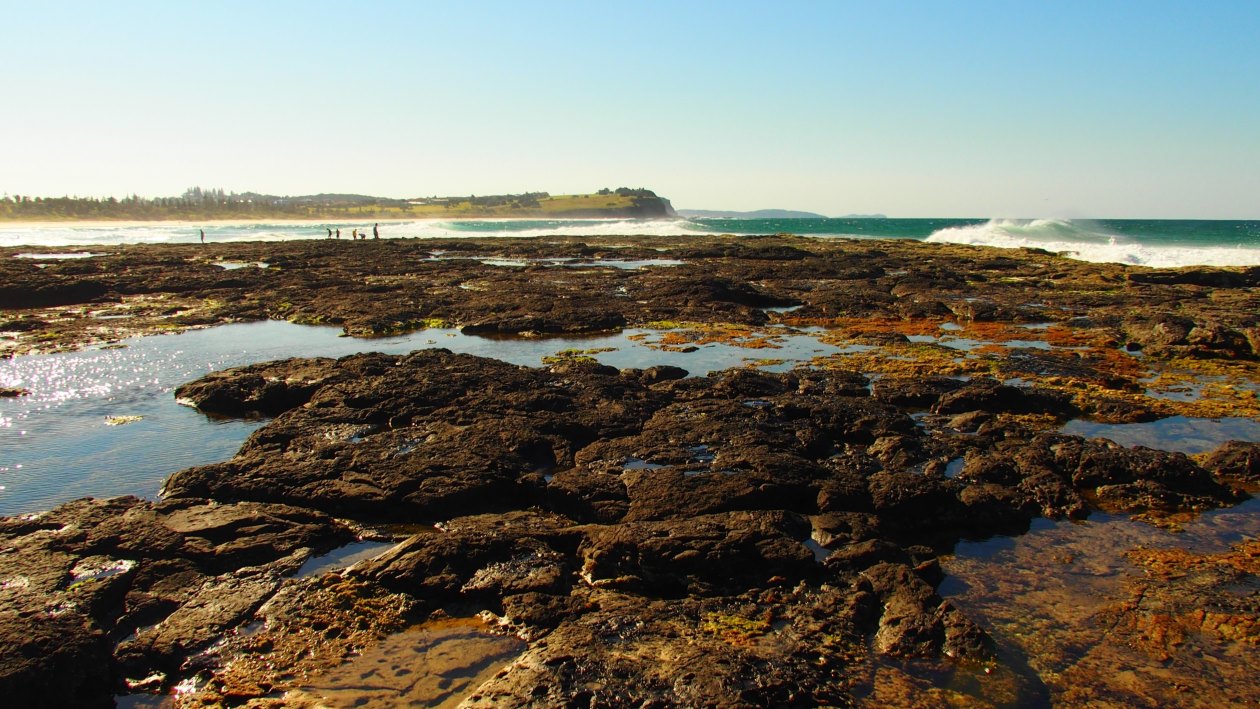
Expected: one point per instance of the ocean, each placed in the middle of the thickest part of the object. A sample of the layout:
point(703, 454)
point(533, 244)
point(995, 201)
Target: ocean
point(1145, 242)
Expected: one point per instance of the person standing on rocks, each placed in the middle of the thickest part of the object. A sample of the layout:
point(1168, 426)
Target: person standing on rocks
point(329, 232)
point(338, 232)
point(203, 235)
point(376, 230)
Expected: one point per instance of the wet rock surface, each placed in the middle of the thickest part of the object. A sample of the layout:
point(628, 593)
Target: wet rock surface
point(563, 285)
point(581, 506)
point(98, 591)
point(747, 538)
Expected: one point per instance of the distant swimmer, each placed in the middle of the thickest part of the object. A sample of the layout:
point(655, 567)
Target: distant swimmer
point(203, 236)
point(376, 230)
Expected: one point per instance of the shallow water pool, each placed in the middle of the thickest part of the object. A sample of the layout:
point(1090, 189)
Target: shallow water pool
point(1049, 599)
point(1176, 433)
point(103, 422)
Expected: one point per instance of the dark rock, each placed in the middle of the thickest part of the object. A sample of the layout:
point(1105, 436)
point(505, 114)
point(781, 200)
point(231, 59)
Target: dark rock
point(196, 624)
point(833, 529)
point(915, 622)
point(54, 658)
point(1234, 461)
point(661, 373)
point(697, 556)
point(51, 294)
point(908, 501)
point(267, 389)
point(181, 573)
point(1170, 335)
point(430, 434)
point(515, 324)
point(992, 396)
point(1207, 277)
point(913, 393)
point(487, 555)
point(864, 554)
point(625, 650)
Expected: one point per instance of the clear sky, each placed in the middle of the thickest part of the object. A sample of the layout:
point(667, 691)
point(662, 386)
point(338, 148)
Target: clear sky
point(983, 109)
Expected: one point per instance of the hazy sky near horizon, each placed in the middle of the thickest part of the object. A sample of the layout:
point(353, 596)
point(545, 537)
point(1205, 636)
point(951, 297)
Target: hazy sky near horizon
point(980, 109)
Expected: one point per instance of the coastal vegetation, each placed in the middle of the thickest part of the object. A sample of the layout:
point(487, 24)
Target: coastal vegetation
point(204, 204)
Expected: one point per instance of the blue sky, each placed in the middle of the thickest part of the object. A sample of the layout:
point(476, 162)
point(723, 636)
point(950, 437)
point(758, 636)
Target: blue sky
point(984, 109)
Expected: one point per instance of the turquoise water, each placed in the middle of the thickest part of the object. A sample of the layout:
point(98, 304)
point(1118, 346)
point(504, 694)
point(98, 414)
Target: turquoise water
point(1157, 243)
point(1155, 231)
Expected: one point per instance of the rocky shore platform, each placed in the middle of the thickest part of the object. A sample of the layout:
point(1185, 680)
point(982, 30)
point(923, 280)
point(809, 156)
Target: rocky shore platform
point(635, 537)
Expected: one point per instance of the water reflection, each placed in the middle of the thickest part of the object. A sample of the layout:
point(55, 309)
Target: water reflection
point(1049, 599)
point(436, 664)
point(1175, 433)
point(56, 444)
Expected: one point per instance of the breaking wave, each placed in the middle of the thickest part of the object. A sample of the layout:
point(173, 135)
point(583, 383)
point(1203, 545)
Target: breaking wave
point(1156, 243)
point(169, 233)
point(1087, 241)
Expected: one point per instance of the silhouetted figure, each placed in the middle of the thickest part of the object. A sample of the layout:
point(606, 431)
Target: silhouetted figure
point(338, 232)
point(376, 230)
point(203, 236)
point(329, 232)
point(354, 235)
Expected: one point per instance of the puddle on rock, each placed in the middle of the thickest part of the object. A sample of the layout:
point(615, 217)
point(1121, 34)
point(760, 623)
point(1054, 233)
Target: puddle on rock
point(701, 453)
point(1070, 601)
point(965, 344)
point(233, 265)
point(626, 264)
point(144, 701)
point(1176, 433)
point(819, 551)
point(507, 262)
point(342, 557)
point(436, 664)
point(59, 256)
point(783, 309)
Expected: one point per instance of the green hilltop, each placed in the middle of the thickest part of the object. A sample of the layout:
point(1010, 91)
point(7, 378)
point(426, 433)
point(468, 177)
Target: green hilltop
point(201, 204)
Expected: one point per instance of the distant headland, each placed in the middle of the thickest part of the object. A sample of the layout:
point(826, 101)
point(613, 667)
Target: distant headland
point(214, 204)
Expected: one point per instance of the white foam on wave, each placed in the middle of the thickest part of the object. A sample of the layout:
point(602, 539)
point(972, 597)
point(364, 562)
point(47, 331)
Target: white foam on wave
point(559, 227)
point(97, 234)
point(1081, 240)
point(1087, 242)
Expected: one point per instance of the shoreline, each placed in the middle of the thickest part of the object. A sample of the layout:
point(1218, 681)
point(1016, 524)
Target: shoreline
point(97, 223)
point(1168, 247)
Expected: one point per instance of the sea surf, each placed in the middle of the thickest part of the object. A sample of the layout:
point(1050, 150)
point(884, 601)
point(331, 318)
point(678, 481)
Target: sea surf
point(1139, 242)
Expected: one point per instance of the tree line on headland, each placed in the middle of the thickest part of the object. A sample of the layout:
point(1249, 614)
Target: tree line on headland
point(201, 204)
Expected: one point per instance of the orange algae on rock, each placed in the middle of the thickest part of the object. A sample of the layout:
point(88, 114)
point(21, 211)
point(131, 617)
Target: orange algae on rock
point(309, 626)
point(1187, 599)
point(678, 336)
